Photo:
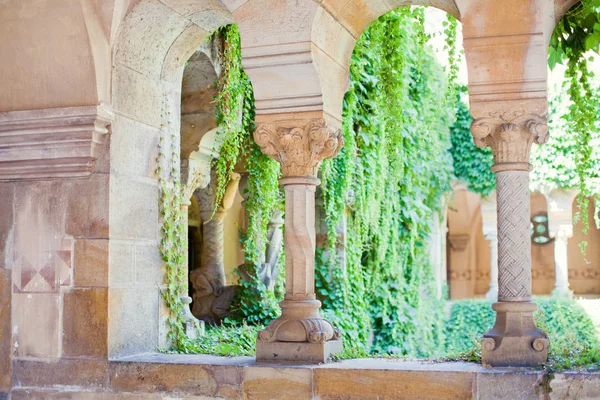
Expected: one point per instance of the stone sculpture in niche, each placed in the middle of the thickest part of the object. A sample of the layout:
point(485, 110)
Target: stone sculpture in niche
point(267, 270)
point(212, 296)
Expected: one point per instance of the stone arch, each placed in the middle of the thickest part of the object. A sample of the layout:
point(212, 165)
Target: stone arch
point(464, 235)
point(561, 7)
point(337, 26)
point(584, 270)
point(150, 50)
point(542, 255)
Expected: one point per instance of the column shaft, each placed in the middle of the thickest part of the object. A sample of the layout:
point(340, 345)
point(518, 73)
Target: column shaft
point(514, 242)
point(299, 238)
point(561, 286)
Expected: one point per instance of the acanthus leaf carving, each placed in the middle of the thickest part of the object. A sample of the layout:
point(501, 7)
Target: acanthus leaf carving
point(299, 150)
point(510, 134)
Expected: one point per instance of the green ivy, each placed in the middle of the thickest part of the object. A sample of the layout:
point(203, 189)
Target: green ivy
point(172, 244)
point(253, 303)
point(576, 34)
point(573, 339)
point(388, 180)
point(471, 164)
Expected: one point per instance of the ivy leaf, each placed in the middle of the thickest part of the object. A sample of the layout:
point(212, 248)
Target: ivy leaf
point(592, 42)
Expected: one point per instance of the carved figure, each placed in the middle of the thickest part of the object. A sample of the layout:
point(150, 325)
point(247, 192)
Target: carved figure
point(212, 297)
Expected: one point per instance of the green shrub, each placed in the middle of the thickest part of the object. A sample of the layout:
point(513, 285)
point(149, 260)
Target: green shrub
point(573, 340)
point(229, 339)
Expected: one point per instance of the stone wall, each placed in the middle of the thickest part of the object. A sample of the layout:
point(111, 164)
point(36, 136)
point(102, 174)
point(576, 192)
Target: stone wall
point(469, 269)
point(207, 377)
point(584, 271)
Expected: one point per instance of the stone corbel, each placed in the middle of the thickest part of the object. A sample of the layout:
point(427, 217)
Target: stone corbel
point(459, 242)
point(299, 150)
point(51, 143)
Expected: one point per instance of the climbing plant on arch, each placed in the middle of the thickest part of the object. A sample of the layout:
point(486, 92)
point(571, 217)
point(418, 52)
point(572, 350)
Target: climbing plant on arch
point(395, 168)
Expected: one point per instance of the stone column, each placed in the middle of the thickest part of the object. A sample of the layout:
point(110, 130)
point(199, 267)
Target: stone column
point(510, 129)
point(489, 228)
point(560, 221)
point(299, 334)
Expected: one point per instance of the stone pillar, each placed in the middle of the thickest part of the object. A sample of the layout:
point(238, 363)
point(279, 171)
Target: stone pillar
point(299, 334)
point(560, 221)
point(510, 129)
point(489, 228)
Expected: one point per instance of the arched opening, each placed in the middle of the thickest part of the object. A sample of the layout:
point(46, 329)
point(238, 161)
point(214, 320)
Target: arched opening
point(382, 198)
point(152, 46)
point(584, 270)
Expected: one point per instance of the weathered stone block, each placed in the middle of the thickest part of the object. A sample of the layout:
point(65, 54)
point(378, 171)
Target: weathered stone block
point(134, 135)
point(297, 351)
point(6, 222)
point(134, 209)
point(182, 49)
point(85, 323)
point(575, 386)
point(88, 374)
point(144, 50)
point(148, 264)
point(178, 379)
point(91, 263)
point(513, 385)
point(36, 324)
point(122, 263)
point(391, 384)
point(281, 383)
point(133, 323)
point(140, 97)
point(30, 394)
point(87, 214)
point(5, 331)
point(514, 341)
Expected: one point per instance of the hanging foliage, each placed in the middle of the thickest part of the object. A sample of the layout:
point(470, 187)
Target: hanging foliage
point(254, 303)
point(173, 233)
point(471, 164)
point(388, 183)
point(576, 34)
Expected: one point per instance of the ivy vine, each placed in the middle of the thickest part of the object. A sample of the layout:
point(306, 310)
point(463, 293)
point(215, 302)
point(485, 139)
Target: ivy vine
point(172, 245)
point(577, 34)
point(387, 183)
point(471, 164)
point(235, 111)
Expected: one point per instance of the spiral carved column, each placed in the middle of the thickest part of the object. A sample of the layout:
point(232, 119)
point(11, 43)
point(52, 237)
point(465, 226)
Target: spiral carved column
point(514, 340)
point(299, 334)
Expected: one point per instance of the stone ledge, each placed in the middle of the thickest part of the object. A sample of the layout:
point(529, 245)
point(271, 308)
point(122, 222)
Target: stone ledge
point(51, 143)
point(154, 376)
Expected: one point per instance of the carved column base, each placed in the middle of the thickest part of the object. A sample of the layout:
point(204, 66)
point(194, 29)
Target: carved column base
point(299, 334)
point(514, 340)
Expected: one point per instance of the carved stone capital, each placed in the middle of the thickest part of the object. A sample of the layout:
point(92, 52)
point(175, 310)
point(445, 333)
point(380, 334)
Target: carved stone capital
point(510, 134)
point(298, 149)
